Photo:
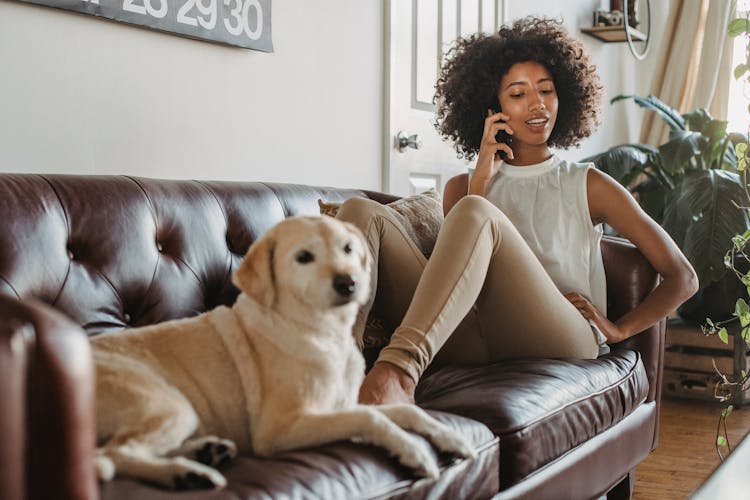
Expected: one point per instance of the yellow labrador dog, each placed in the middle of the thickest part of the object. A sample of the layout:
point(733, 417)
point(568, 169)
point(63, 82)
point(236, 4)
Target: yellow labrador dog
point(279, 370)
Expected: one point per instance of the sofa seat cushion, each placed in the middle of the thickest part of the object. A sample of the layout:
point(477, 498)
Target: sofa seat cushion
point(343, 470)
point(542, 408)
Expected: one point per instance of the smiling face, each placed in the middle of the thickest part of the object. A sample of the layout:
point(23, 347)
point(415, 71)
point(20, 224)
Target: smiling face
point(527, 94)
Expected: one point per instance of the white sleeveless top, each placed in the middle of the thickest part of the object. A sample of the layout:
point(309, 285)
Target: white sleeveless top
point(548, 204)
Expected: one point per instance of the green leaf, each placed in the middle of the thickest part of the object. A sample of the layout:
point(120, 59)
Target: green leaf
point(738, 26)
point(622, 163)
point(727, 411)
point(740, 308)
point(721, 441)
point(701, 217)
point(715, 130)
point(682, 148)
point(740, 240)
point(741, 148)
point(671, 116)
point(746, 334)
point(697, 120)
point(651, 196)
point(723, 154)
point(723, 335)
point(742, 311)
point(740, 70)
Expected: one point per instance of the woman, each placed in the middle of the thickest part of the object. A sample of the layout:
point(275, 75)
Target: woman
point(517, 269)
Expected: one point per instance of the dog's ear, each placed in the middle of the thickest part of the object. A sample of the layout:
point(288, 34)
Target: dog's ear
point(255, 276)
point(366, 258)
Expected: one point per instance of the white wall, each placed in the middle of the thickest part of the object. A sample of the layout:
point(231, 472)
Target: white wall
point(84, 95)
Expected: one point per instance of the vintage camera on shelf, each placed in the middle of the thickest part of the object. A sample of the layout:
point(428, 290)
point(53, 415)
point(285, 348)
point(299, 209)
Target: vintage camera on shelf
point(608, 18)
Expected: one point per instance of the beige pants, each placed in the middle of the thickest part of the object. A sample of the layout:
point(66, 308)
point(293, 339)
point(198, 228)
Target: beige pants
point(482, 296)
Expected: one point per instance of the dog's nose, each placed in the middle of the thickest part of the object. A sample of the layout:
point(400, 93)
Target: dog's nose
point(344, 285)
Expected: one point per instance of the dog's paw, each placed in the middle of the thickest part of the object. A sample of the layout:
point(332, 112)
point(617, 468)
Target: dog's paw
point(215, 451)
point(105, 468)
point(190, 475)
point(208, 450)
point(450, 441)
point(412, 455)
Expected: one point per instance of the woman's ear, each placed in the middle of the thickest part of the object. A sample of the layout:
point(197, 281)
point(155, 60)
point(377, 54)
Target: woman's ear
point(255, 276)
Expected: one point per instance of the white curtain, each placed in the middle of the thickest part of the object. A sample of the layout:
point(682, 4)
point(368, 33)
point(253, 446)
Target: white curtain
point(696, 63)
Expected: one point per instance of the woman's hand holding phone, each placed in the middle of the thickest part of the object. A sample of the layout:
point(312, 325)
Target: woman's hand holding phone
point(493, 148)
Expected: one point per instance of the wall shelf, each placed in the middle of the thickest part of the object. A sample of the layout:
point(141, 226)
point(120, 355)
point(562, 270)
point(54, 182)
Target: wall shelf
point(614, 33)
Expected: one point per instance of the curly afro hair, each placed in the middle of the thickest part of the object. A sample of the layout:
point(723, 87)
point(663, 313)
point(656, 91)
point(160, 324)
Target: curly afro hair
point(469, 80)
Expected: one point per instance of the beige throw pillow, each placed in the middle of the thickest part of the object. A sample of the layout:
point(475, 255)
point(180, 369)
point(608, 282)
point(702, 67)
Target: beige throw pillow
point(421, 215)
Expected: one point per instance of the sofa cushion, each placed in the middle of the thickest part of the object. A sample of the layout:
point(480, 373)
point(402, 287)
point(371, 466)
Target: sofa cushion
point(343, 470)
point(540, 409)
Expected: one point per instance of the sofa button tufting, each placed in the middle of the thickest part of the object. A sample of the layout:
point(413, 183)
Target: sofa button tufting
point(159, 247)
point(126, 318)
point(71, 255)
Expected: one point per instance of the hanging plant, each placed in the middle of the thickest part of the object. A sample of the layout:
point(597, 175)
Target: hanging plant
point(730, 387)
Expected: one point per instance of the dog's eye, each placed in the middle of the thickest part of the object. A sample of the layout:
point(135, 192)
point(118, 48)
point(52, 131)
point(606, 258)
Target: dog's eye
point(305, 257)
point(347, 248)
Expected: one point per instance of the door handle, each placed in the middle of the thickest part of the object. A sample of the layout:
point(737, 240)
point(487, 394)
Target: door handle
point(404, 141)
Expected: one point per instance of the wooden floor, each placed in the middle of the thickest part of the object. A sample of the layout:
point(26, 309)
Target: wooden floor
point(686, 454)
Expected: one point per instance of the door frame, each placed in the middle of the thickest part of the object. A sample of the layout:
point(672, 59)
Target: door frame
point(387, 142)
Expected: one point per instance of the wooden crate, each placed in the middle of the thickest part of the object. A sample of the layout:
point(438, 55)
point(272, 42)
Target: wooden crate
point(689, 360)
point(689, 385)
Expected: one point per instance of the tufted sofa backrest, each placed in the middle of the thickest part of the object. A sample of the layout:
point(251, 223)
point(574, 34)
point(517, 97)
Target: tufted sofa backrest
point(114, 251)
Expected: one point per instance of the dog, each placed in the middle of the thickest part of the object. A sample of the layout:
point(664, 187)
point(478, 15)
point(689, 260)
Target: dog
point(277, 371)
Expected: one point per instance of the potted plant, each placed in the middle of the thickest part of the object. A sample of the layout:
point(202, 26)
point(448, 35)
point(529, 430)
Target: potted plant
point(691, 186)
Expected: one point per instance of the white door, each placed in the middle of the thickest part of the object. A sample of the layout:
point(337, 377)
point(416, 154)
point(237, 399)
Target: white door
point(418, 33)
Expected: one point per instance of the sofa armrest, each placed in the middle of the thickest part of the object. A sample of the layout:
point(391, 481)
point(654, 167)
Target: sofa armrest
point(630, 278)
point(47, 418)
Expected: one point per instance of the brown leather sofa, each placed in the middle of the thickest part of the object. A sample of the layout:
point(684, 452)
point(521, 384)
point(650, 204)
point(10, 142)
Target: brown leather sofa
point(80, 255)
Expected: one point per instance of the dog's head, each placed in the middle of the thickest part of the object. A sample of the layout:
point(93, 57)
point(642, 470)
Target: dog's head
point(319, 263)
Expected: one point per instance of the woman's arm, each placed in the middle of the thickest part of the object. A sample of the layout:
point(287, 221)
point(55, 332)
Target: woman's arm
point(487, 162)
point(487, 158)
point(610, 203)
point(456, 188)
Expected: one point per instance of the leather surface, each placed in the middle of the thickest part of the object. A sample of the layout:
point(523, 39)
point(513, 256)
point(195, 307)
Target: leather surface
point(343, 470)
point(540, 409)
point(630, 278)
point(16, 348)
point(52, 361)
point(593, 468)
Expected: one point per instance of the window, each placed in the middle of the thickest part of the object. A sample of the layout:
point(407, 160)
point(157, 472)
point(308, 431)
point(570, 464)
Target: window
point(738, 114)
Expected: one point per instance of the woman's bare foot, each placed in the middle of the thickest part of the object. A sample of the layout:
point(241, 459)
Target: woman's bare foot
point(386, 384)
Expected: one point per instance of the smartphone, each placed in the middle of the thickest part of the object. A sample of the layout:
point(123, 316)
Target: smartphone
point(502, 136)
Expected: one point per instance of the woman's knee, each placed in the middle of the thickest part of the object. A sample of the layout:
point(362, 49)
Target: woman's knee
point(359, 211)
point(476, 209)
